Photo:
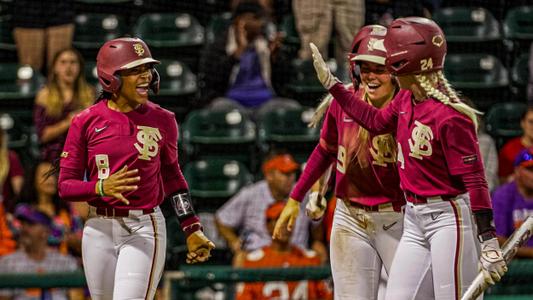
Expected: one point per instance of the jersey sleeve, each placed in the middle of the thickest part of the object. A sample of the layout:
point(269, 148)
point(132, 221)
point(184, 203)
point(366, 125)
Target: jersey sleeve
point(170, 169)
point(460, 145)
point(375, 120)
point(71, 184)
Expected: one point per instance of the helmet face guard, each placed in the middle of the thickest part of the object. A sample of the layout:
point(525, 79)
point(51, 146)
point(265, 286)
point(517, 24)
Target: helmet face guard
point(123, 54)
point(367, 45)
point(414, 45)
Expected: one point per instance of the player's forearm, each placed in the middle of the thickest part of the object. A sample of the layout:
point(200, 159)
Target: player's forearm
point(363, 113)
point(317, 164)
point(71, 188)
point(173, 179)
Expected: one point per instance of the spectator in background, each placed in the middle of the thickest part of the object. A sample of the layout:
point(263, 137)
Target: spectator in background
point(7, 243)
point(281, 253)
point(509, 151)
point(41, 192)
point(314, 20)
point(11, 171)
point(239, 64)
point(66, 93)
point(34, 256)
point(513, 201)
point(241, 221)
point(41, 29)
point(530, 81)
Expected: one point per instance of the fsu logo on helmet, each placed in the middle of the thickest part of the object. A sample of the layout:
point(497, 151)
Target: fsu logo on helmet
point(139, 49)
point(437, 40)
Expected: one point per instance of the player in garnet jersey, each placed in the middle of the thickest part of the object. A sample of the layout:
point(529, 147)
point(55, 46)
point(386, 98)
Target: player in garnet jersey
point(282, 254)
point(367, 225)
point(440, 167)
point(121, 157)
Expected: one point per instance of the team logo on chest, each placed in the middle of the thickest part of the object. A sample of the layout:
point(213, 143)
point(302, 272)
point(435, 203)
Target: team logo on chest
point(381, 150)
point(147, 138)
point(420, 141)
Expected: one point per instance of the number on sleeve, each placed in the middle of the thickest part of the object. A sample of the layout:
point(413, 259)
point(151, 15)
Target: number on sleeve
point(102, 163)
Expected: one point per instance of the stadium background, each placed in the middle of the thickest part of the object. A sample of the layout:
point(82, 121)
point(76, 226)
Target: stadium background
point(488, 42)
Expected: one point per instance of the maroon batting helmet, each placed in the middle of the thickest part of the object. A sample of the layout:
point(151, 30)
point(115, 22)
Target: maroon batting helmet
point(122, 54)
point(414, 45)
point(367, 45)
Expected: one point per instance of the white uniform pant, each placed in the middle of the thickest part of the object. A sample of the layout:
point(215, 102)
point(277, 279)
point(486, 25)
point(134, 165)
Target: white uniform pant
point(124, 258)
point(440, 236)
point(361, 244)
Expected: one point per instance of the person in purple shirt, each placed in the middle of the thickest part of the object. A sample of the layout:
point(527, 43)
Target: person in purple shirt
point(121, 157)
point(513, 202)
point(439, 163)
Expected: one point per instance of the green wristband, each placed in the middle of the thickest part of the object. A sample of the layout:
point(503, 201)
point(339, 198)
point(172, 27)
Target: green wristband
point(100, 188)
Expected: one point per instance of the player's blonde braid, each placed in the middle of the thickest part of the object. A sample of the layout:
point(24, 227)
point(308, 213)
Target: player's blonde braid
point(448, 96)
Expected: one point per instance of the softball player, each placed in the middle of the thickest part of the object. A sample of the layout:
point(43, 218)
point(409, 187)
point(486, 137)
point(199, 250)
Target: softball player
point(367, 224)
point(441, 172)
point(126, 148)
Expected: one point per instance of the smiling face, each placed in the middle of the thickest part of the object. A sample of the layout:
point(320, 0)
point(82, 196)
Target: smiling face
point(135, 85)
point(377, 82)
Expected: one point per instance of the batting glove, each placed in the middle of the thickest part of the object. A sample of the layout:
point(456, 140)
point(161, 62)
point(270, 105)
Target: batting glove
point(492, 263)
point(199, 247)
point(316, 206)
point(322, 70)
point(287, 219)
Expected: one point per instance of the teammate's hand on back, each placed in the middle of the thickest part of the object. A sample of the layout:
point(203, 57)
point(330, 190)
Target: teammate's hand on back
point(120, 182)
point(287, 219)
point(492, 262)
point(199, 247)
point(322, 70)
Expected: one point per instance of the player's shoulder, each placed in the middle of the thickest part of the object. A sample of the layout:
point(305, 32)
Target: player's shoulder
point(403, 95)
point(158, 110)
point(88, 113)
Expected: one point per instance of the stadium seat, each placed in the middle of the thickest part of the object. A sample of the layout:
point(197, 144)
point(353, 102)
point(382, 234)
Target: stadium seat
point(287, 128)
point(216, 178)
point(6, 34)
point(90, 72)
point(288, 27)
point(219, 133)
point(475, 71)
point(217, 25)
point(303, 78)
point(503, 121)
point(18, 83)
point(176, 78)
point(93, 29)
point(518, 23)
point(165, 30)
point(520, 76)
point(468, 24)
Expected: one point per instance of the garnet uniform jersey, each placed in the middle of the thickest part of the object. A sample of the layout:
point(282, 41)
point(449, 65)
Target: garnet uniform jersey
point(102, 141)
point(269, 258)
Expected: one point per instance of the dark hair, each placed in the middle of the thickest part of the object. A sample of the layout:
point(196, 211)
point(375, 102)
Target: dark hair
point(524, 114)
point(249, 6)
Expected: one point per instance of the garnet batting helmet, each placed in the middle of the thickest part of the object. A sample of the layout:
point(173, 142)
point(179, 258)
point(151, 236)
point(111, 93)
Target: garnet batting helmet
point(367, 45)
point(414, 45)
point(122, 54)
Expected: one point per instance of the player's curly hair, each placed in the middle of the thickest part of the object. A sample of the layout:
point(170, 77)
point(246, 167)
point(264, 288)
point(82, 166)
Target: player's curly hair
point(437, 86)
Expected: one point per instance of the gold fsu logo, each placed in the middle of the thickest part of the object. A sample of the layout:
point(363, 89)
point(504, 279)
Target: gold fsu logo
point(139, 49)
point(147, 138)
point(420, 141)
point(382, 150)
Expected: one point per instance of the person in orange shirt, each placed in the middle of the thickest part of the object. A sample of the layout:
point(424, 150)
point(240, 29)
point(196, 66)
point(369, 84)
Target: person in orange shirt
point(7, 243)
point(282, 254)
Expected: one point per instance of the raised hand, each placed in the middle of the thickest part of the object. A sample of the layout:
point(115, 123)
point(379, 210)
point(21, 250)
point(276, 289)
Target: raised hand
point(121, 182)
point(322, 70)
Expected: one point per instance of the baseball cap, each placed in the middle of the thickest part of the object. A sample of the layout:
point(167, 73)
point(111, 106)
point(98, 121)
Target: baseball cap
point(284, 163)
point(524, 158)
point(274, 210)
point(25, 212)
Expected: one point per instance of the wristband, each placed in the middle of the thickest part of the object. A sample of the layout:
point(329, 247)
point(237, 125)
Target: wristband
point(100, 187)
point(182, 204)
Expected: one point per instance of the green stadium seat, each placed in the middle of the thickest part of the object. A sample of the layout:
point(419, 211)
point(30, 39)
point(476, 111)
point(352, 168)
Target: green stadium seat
point(225, 133)
point(520, 70)
point(176, 78)
point(216, 178)
point(18, 83)
point(502, 121)
point(468, 24)
point(93, 29)
point(287, 128)
point(518, 23)
point(475, 71)
point(303, 78)
point(217, 25)
point(90, 72)
point(166, 30)
point(288, 27)
point(6, 34)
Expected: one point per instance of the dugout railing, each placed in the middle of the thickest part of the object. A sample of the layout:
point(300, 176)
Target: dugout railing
point(517, 284)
